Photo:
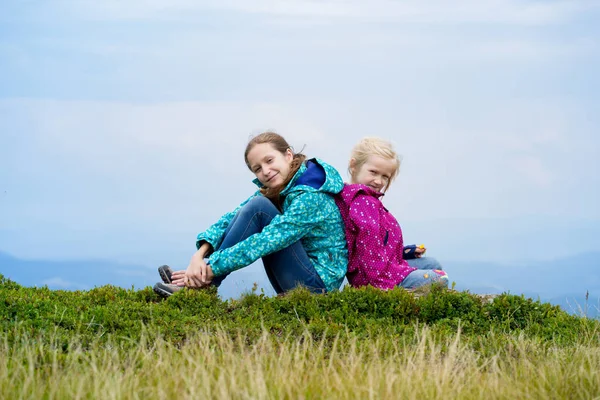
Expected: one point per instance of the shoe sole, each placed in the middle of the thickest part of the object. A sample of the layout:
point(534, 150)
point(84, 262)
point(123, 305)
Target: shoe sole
point(161, 292)
point(165, 273)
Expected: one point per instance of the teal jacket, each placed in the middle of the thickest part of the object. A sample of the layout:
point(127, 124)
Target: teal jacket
point(309, 215)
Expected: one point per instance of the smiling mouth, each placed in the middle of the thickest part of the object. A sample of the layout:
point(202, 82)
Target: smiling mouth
point(271, 178)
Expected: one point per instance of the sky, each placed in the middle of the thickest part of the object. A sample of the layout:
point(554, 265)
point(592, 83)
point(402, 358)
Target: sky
point(123, 124)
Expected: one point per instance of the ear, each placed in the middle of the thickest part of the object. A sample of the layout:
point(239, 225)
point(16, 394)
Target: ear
point(289, 156)
point(352, 166)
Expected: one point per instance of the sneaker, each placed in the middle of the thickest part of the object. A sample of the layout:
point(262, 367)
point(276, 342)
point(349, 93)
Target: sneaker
point(166, 289)
point(165, 273)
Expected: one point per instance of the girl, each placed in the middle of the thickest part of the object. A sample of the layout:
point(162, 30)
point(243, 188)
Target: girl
point(291, 222)
point(374, 237)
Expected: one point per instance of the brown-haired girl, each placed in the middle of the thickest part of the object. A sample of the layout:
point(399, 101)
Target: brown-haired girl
point(291, 222)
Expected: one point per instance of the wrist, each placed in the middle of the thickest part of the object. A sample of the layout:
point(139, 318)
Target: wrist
point(201, 254)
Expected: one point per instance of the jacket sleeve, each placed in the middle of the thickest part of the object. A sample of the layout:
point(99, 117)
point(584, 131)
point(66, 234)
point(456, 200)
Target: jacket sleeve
point(306, 210)
point(214, 234)
point(369, 248)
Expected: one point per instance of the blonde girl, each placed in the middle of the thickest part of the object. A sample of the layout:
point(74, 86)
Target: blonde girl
point(376, 254)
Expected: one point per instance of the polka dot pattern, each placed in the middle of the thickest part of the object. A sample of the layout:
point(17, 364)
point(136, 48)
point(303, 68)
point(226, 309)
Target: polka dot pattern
point(374, 239)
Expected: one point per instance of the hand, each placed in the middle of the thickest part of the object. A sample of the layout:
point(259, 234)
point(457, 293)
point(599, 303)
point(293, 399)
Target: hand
point(419, 251)
point(197, 275)
point(178, 277)
point(207, 275)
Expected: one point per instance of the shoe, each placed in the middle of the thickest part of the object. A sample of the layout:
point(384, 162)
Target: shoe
point(165, 273)
point(166, 289)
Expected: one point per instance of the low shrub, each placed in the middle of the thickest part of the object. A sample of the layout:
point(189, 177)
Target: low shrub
point(114, 312)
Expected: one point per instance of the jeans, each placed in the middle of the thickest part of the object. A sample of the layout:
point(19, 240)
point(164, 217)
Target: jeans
point(429, 270)
point(286, 268)
point(425, 263)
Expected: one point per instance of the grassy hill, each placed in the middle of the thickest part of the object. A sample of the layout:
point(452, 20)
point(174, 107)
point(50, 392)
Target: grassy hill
point(551, 281)
point(112, 342)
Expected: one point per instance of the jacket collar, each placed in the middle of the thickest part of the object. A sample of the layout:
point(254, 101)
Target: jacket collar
point(290, 183)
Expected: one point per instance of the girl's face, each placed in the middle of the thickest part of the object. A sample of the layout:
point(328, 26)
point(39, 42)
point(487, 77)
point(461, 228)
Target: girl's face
point(374, 173)
point(270, 166)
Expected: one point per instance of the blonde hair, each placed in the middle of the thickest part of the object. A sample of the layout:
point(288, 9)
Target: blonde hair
point(373, 146)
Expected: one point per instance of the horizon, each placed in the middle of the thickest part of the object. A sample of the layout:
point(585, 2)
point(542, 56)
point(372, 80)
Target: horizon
point(548, 281)
point(122, 126)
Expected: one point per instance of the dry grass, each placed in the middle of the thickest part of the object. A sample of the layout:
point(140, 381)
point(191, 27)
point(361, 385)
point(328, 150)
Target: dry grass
point(216, 366)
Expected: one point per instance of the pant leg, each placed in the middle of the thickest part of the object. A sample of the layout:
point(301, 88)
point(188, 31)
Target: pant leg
point(286, 268)
point(291, 267)
point(425, 263)
point(422, 277)
point(230, 239)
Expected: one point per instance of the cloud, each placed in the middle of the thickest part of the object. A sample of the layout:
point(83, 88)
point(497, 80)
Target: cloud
point(135, 161)
point(102, 165)
point(516, 12)
point(115, 137)
point(534, 169)
point(143, 109)
point(101, 179)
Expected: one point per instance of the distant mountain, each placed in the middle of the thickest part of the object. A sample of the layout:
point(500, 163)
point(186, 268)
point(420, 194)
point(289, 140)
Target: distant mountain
point(563, 281)
point(75, 274)
point(565, 275)
point(87, 274)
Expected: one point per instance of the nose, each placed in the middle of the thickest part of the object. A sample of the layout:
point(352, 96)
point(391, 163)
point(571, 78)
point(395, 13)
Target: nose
point(266, 172)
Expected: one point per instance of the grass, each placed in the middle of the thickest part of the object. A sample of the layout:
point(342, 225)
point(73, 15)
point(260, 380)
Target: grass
point(112, 343)
point(220, 366)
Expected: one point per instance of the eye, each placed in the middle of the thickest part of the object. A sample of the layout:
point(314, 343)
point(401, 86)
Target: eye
point(269, 160)
point(256, 170)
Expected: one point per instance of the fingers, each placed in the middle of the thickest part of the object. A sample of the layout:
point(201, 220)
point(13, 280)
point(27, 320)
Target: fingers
point(198, 274)
point(177, 275)
point(178, 282)
point(178, 278)
point(206, 274)
point(192, 274)
point(195, 282)
point(202, 273)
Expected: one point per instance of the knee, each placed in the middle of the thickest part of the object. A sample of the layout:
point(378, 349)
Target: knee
point(441, 278)
point(433, 263)
point(436, 276)
point(258, 204)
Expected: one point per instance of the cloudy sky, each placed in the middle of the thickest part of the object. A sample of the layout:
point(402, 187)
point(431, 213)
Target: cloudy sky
point(123, 123)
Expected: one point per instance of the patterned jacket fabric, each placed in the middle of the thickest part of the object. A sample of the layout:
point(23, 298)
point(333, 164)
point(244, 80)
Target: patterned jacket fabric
point(309, 215)
point(374, 238)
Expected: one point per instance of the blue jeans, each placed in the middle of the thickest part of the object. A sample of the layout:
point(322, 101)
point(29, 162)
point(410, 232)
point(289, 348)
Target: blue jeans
point(286, 268)
point(429, 270)
point(425, 263)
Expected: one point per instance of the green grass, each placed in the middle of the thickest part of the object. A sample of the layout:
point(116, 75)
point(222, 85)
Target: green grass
point(115, 343)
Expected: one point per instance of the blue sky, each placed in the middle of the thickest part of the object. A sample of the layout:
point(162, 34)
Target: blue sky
point(123, 124)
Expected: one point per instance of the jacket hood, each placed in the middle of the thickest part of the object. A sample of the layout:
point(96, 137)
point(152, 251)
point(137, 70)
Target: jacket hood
point(352, 190)
point(316, 174)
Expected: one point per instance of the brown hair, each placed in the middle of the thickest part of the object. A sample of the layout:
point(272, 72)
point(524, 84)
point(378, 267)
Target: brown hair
point(281, 145)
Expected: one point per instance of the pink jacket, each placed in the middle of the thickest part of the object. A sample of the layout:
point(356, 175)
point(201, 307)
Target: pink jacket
point(374, 239)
